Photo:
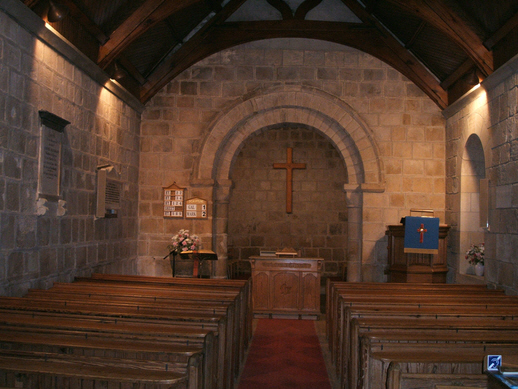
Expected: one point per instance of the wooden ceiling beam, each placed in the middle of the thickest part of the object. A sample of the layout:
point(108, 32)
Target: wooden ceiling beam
point(214, 5)
point(416, 34)
point(183, 57)
point(438, 14)
point(146, 16)
point(30, 3)
point(502, 32)
point(401, 58)
point(359, 36)
point(225, 36)
point(132, 70)
point(85, 21)
point(282, 7)
point(460, 72)
point(305, 7)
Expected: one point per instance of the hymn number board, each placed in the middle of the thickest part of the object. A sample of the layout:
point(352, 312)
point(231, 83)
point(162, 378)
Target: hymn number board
point(196, 208)
point(174, 197)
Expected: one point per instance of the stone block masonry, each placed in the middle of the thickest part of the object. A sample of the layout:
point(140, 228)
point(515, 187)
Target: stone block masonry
point(258, 220)
point(36, 250)
point(481, 137)
point(406, 128)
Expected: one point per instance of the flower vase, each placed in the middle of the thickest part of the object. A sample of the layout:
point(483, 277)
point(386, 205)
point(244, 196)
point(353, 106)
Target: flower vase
point(479, 269)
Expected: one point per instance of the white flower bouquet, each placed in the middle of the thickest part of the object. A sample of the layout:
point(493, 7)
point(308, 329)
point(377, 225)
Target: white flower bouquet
point(184, 241)
point(475, 254)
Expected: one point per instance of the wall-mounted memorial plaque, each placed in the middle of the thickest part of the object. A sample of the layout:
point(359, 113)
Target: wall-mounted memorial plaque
point(51, 140)
point(196, 208)
point(174, 197)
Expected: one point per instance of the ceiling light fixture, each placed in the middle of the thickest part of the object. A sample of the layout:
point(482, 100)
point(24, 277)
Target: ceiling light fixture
point(56, 12)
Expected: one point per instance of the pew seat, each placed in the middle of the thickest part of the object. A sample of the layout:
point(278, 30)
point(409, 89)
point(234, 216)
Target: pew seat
point(45, 370)
point(373, 325)
point(197, 328)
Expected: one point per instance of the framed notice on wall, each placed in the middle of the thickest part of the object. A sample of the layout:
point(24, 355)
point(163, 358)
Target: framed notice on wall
point(196, 208)
point(51, 140)
point(174, 197)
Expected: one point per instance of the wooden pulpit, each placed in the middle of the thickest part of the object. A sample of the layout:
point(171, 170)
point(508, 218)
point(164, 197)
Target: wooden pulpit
point(415, 267)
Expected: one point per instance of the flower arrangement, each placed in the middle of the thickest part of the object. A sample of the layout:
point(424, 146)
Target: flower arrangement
point(184, 241)
point(475, 254)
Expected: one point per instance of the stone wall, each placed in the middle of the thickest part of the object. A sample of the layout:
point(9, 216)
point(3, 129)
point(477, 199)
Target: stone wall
point(486, 117)
point(317, 225)
point(401, 149)
point(36, 250)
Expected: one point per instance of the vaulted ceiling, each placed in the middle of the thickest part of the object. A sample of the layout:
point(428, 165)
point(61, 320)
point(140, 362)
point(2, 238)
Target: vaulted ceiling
point(443, 46)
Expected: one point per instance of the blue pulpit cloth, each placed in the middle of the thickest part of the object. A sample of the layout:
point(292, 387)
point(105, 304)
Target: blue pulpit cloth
point(421, 235)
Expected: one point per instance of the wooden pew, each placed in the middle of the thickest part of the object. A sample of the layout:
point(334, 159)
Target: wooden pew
point(453, 354)
point(44, 370)
point(245, 297)
point(398, 378)
point(338, 290)
point(45, 324)
point(363, 299)
point(146, 309)
point(244, 287)
point(128, 313)
point(335, 290)
point(334, 287)
point(146, 315)
point(75, 344)
point(414, 305)
point(146, 295)
point(506, 329)
point(244, 314)
point(464, 316)
point(434, 334)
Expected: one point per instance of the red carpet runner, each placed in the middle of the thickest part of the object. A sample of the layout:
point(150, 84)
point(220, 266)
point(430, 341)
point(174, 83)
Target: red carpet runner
point(285, 354)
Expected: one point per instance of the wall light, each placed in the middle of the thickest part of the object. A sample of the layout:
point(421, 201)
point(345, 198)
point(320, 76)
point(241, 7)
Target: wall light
point(56, 12)
point(118, 72)
point(471, 78)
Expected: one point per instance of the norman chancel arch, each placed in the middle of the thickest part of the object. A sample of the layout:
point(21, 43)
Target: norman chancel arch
point(302, 105)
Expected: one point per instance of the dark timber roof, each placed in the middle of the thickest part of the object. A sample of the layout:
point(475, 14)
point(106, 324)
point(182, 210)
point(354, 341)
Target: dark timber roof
point(441, 45)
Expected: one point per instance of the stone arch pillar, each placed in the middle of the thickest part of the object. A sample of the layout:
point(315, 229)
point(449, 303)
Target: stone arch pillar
point(290, 104)
point(354, 212)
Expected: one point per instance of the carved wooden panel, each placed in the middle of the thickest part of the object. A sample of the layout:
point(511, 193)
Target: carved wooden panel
point(311, 291)
point(285, 290)
point(286, 285)
point(261, 290)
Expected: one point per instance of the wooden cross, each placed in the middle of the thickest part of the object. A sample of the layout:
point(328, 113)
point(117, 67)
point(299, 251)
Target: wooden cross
point(289, 166)
point(421, 231)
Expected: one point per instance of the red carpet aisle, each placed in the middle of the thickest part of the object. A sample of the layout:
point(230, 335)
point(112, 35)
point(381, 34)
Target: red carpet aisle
point(285, 354)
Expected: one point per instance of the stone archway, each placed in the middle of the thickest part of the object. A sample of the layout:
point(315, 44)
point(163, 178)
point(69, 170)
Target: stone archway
point(472, 180)
point(470, 170)
point(333, 117)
